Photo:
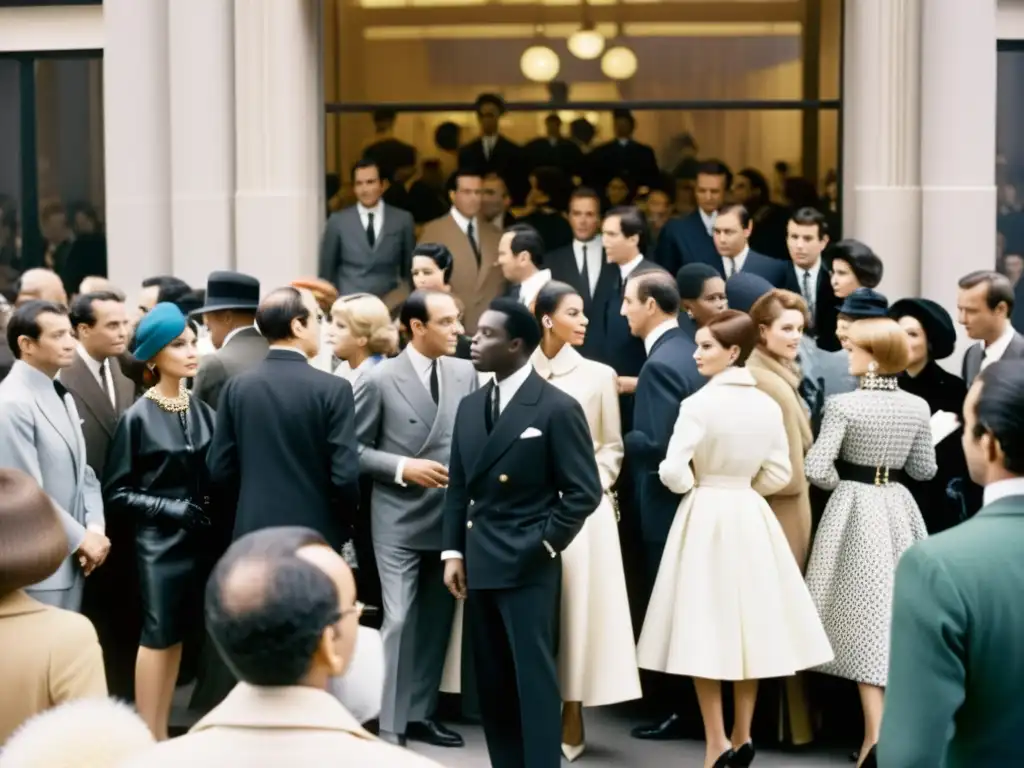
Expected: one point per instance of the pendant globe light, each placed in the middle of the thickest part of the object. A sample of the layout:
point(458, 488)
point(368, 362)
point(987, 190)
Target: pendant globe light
point(539, 64)
point(586, 42)
point(619, 63)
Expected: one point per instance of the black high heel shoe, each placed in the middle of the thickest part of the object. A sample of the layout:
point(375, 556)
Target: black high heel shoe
point(744, 756)
point(724, 759)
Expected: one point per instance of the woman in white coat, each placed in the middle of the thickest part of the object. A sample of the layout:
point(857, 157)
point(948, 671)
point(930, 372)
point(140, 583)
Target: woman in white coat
point(729, 602)
point(597, 654)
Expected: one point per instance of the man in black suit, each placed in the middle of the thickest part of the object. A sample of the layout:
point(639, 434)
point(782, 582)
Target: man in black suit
point(691, 238)
point(623, 157)
point(668, 377)
point(492, 152)
point(554, 150)
point(285, 440)
point(806, 239)
point(732, 229)
point(984, 306)
point(522, 481)
point(395, 159)
point(580, 263)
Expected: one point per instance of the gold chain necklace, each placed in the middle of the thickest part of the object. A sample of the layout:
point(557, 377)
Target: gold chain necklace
point(177, 404)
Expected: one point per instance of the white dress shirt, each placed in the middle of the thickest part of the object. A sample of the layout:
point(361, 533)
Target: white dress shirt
point(627, 269)
point(488, 143)
point(463, 223)
point(595, 259)
point(709, 220)
point(530, 287)
point(812, 286)
point(378, 217)
point(100, 372)
point(422, 365)
point(659, 331)
point(507, 389)
point(1000, 489)
point(997, 348)
point(737, 262)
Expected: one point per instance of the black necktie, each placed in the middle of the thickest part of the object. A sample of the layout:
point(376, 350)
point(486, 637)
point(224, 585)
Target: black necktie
point(515, 292)
point(371, 235)
point(103, 380)
point(61, 389)
point(730, 268)
point(472, 242)
point(585, 273)
point(494, 411)
point(809, 295)
point(435, 387)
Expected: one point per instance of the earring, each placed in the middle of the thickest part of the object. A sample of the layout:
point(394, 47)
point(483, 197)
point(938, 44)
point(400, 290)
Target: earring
point(547, 323)
point(151, 366)
point(872, 368)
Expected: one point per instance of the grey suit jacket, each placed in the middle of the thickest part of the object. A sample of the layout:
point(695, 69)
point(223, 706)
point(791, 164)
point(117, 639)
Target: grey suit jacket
point(98, 416)
point(243, 351)
point(42, 436)
point(348, 262)
point(974, 356)
point(395, 419)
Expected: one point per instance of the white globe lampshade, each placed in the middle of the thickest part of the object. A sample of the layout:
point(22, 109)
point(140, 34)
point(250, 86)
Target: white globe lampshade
point(619, 63)
point(539, 64)
point(586, 44)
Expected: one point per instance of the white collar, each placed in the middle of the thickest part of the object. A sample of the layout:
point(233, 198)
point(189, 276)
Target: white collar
point(627, 269)
point(508, 386)
point(96, 366)
point(1000, 489)
point(565, 361)
point(739, 259)
point(462, 221)
point(530, 287)
point(813, 270)
point(233, 333)
point(997, 348)
point(420, 362)
point(593, 243)
point(708, 219)
point(659, 330)
point(377, 210)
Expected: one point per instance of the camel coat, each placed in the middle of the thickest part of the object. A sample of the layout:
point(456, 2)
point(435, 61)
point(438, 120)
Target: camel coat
point(791, 505)
point(50, 656)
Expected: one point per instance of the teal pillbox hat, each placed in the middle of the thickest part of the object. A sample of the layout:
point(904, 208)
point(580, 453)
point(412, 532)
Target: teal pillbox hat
point(158, 328)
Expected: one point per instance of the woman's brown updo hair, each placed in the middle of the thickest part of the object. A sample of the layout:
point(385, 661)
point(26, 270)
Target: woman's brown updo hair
point(769, 308)
point(732, 328)
point(33, 543)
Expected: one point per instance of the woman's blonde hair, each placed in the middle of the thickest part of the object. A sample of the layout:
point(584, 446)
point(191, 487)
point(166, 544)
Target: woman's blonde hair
point(884, 340)
point(769, 308)
point(367, 317)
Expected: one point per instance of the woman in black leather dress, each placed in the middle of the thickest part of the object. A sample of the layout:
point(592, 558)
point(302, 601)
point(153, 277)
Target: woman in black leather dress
point(156, 472)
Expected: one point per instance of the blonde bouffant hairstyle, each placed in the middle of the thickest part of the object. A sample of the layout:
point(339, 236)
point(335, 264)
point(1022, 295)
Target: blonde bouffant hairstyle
point(367, 317)
point(884, 340)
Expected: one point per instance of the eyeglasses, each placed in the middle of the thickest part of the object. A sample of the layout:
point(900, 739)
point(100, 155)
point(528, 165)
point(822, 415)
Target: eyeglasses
point(360, 610)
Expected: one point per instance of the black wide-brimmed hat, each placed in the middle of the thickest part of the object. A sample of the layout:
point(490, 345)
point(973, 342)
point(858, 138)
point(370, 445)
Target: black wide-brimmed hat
point(230, 290)
point(863, 304)
point(936, 322)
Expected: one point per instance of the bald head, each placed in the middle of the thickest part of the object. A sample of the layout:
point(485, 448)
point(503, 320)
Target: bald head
point(290, 316)
point(98, 284)
point(41, 284)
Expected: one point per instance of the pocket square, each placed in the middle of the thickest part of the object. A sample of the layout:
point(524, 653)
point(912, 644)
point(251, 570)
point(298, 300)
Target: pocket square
point(530, 432)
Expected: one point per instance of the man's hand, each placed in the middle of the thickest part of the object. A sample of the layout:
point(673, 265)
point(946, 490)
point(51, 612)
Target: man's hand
point(425, 473)
point(627, 385)
point(93, 551)
point(455, 577)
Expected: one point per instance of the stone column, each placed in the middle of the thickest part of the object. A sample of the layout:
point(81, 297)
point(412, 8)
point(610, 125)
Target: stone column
point(202, 136)
point(279, 117)
point(136, 141)
point(958, 144)
point(882, 200)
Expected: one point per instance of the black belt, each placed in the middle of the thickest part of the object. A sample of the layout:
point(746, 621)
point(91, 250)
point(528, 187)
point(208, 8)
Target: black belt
point(858, 473)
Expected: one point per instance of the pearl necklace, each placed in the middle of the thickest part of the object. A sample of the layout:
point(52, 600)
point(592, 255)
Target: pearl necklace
point(177, 404)
point(883, 383)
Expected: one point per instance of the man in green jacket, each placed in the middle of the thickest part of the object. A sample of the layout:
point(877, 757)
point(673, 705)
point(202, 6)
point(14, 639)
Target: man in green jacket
point(956, 673)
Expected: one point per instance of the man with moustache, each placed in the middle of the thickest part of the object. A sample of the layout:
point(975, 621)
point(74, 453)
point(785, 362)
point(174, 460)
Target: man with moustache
point(522, 481)
point(41, 435)
point(405, 411)
point(102, 393)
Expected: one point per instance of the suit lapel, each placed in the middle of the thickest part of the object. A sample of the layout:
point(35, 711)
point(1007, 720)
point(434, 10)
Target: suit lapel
point(412, 389)
point(59, 414)
point(449, 400)
point(357, 235)
point(514, 419)
point(88, 389)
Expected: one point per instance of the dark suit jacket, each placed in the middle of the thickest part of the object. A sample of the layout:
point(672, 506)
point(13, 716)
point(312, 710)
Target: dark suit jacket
point(6, 357)
point(285, 446)
point(956, 671)
point(562, 263)
point(971, 366)
point(632, 162)
point(685, 241)
point(667, 378)
point(99, 417)
point(563, 153)
point(826, 305)
point(390, 154)
point(349, 263)
point(509, 492)
point(506, 160)
point(244, 350)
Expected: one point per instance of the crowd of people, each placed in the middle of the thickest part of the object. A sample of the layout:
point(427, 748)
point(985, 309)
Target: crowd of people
point(565, 477)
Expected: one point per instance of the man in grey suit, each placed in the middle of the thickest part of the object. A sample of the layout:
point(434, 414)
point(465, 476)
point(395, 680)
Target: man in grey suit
point(984, 306)
point(230, 312)
point(41, 434)
point(367, 248)
point(405, 413)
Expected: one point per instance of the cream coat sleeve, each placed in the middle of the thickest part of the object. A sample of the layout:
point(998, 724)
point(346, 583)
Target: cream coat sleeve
point(675, 471)
point(608, 448)
point(776, 469)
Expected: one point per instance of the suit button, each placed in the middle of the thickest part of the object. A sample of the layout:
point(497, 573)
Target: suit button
point(502, 478)
point(469, 524)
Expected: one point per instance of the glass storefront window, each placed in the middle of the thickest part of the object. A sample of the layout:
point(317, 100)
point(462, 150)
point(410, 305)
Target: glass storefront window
point(1010, 160)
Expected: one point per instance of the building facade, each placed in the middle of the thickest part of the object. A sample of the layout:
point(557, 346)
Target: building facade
point(212, 122)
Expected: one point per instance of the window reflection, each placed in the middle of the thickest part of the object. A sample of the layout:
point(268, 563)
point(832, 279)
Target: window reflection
point(1010, 162)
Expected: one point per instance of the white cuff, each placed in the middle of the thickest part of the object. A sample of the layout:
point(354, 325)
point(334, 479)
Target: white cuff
point(97, 528)
point(399, 480)
point(451, 554)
